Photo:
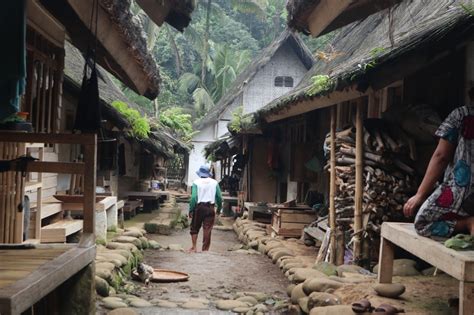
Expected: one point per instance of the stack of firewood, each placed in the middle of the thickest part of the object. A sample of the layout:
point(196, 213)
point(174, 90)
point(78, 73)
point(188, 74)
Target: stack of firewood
point(388, 178)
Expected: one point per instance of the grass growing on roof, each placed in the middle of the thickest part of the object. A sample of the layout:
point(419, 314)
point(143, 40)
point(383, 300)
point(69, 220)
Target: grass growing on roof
point(320, 84)
point(140, 125)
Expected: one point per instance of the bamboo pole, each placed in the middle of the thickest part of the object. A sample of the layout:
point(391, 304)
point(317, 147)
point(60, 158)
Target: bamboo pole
point(358, 183)
point(332, 187)
point(19, 196)
point(7, 196)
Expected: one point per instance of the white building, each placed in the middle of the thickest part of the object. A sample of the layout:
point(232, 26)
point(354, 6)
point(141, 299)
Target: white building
point(276, 71)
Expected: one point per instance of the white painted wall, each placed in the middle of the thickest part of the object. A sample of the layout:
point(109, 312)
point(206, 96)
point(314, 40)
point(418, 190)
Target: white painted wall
point(196, 157)
point(261, 90)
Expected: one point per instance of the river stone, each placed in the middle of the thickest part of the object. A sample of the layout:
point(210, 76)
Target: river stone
point(282, 253)
point(259, 296)
point(290, 288)
point(125, 246)
point(332, 310)
point(260, 308)
point(242, 310)
point(303, 303)
point(114, 304)
point(101, 286)
point(254, 244)
point(248, 299)
point(128, 239)
point(122, 311)
point(176, 247)
point(166, 304)
point(402, 268)
point(271, 245)
point(103, 273)
point(105, 265)
point(293, 265)
point(390, 290)
point(327, 268)
point(140, 303)
point(297, 293)
point(261, 248)
point(316, 299)
point(349, 268)
point(112, 256)
point(301, 274)
point(144, 241)
point(280, 261)
point(320, 285)
point(123, 252)
point(116, 262)
point(194, 305)
point(133, 233)
point(154, 244)
point(227, 305)
point(112, 299)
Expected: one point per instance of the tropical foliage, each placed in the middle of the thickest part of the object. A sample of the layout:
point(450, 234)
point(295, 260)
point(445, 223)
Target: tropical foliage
point(140, 125)
point(179, 122)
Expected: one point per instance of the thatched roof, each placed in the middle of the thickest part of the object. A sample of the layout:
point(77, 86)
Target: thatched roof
point(299, 12)
point(178, 11)
point(160, 142)
point(258, 63)
point(383, 40)
point(226, 146)
point(119, 34)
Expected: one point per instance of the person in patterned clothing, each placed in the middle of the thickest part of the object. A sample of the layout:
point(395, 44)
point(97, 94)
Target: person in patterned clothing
point(449, 209)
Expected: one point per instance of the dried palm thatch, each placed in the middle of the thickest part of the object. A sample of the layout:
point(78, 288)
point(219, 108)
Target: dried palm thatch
point(426, 28)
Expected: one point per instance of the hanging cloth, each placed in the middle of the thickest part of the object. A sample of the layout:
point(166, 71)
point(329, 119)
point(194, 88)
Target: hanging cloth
point(13, 57)
point(89, 113)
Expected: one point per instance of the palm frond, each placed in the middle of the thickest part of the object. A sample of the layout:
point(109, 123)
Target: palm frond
point(250, 7)
point(188, 82)
point(202, 100)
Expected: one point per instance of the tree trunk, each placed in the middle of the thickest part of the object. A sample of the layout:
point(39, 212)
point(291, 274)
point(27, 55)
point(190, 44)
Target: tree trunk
point(206, 42)
point(177, 56)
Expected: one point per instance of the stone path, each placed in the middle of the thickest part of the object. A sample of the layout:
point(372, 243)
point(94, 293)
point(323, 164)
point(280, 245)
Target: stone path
point(226, 277)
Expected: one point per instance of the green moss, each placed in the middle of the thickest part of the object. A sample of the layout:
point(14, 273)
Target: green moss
point(140, 126)
point(100, 241)
point(321, 83)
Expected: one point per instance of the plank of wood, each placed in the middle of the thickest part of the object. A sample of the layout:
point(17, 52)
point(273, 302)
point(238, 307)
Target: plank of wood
point(459, 264)
point(50, 209)
point(466, 297)
point(297, 217)
point(292, 226)
point(22, 294)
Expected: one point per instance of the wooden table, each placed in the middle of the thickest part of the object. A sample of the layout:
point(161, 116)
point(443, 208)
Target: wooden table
point(150, 199)
point(28, 275)
point(458, 264)
point(260, 213)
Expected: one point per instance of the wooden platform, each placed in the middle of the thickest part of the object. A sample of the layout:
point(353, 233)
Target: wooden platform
point(290, 222)
point(458, 264)
point(28, 275)
point(58, 231)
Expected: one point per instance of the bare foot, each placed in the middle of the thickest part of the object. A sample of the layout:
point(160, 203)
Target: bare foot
point(191, 250)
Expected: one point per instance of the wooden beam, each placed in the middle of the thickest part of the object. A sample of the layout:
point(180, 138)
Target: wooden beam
point(359, 189)
point(324, 14)
point(47, 138)
point(45, 24)
point(332, 186)
point(305, 106)
point(56, 167)
point(157, 10)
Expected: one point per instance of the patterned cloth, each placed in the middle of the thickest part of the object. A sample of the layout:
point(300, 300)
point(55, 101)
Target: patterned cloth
point(454, 198)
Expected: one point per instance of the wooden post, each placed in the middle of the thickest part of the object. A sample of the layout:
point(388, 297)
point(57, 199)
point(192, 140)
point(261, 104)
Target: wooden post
point(357, 252)
point(385, 261)
point(332, 187)
point(90, 161)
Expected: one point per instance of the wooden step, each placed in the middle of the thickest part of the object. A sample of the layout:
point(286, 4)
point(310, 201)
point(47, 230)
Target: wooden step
point(57, 232)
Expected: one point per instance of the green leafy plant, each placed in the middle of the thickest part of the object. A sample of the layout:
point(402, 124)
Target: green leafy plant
point(140, 125)
point(469, 8)
point(320, 83)
point(12, 119)
point(178, 121)
point(235, 124)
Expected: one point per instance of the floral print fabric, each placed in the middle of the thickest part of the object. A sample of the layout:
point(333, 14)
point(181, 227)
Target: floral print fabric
point(439, 213)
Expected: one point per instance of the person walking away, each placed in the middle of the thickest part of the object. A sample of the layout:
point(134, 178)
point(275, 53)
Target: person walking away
point(449, 209)
point(205, 196)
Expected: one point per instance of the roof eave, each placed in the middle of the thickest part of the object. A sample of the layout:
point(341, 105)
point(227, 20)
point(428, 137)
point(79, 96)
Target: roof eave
point(175, 13)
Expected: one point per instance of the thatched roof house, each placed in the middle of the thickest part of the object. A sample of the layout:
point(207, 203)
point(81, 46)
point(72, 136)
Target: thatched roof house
point(318, 17)
point(374, 52)
point(238, 86)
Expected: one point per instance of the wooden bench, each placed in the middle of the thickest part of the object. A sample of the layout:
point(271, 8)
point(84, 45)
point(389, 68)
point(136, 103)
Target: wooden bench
point(458, 264)
point(58, 231)
point(130, 208)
